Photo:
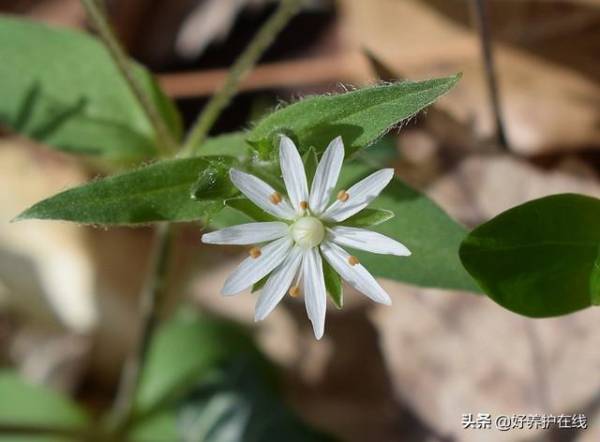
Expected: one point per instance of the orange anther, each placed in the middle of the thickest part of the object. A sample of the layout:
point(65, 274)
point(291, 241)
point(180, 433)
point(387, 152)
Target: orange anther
point(275, 198)
point(255, 252)
point(343, 196)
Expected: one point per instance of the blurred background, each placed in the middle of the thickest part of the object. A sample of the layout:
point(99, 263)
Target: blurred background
point(68, 294)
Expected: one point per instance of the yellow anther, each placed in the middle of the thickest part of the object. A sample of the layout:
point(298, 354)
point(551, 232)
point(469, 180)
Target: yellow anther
point(304, 205)
point(294, 291)
point(275, 198)
point(343, 196)
point(255, 252)
point(353, 260)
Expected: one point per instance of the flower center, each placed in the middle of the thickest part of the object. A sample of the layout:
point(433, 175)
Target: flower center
point(308, 232)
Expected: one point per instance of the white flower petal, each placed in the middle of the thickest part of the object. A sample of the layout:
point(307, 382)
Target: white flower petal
point(251, 233)
point(293, 173)
point(278, 284)
point(315, 296)
point(356, 275)
point(367, 240)
point(326, 176)
point(252, 269)
point(359, 196)
point(261, 194)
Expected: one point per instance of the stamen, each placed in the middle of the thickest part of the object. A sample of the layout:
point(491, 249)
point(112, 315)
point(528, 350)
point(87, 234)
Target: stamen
point(343, 196)
point(294, 291)
point(275, 198)
point(353, 260)
point(255, 252)
point(304, 205)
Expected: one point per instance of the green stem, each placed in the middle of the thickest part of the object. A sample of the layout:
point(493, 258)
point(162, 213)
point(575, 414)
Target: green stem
point(165, 141)
point(238, 71)
point(151, 300)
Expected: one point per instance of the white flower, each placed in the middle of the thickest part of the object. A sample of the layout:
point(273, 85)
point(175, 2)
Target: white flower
point(306, 233)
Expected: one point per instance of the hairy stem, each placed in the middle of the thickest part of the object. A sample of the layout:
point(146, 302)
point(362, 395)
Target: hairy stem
point(151, 299)
point(238, 71)
point(166, 143)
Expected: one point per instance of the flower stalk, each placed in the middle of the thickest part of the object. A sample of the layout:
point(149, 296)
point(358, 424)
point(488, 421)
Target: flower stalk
point(263, 39)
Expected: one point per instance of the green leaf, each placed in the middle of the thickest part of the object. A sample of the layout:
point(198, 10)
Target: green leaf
point(333, 284)
point(360, 116)
point(238, 402)
point(26, 404)
point(537, 259)
point(368, 217)
point(213, 181)
point(183, 350)
point(158, 192)
point(231, 145)
point(159, 426)
point(428, 232)
point(61, 87)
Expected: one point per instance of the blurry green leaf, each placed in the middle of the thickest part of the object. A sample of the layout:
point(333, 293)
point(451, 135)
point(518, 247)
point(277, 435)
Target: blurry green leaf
point(182, 351)
point(206, 381)
point(368, 217)
point(311, 162)
point(428, 232)
point(26, 404)
point(238, 402)
point(381, 153)
point(536, 259)
point(158, 427)
point(158, 192)
point(333, 284)
point(360, 116)
point(213, 181)
point(61, 87)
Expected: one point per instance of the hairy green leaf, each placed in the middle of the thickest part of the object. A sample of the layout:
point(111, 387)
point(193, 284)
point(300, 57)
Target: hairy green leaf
point(26, 404)
point(536, 259)
point(360, 116)
point(158, 192)
point(213, 181)
point(61, 87)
